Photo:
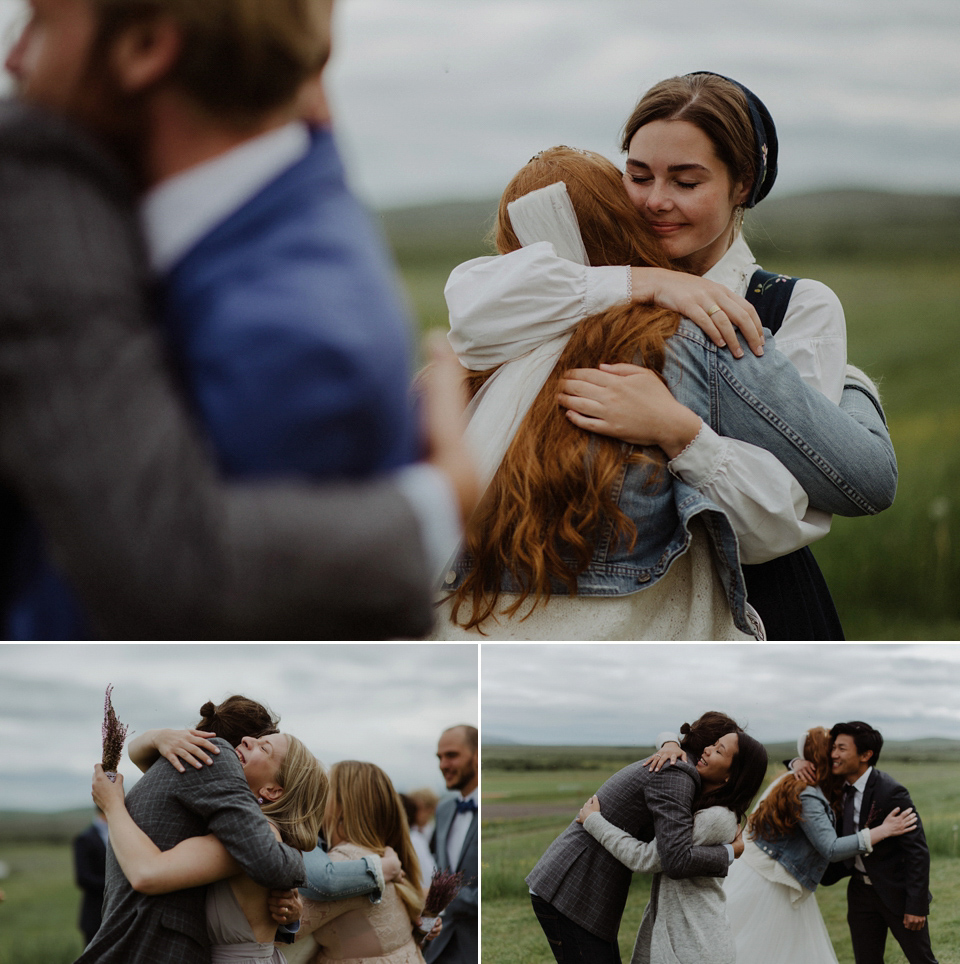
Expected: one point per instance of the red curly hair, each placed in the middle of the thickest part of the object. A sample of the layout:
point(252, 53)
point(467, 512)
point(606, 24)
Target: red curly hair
point(554, 496)
point(781, 811)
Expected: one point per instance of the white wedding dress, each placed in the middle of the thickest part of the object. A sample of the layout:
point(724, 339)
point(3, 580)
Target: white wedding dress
point(774, 919)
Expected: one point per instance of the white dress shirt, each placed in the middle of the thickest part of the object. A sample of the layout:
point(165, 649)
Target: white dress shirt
point(180, 211)
point(534, 288)
point(459, 827)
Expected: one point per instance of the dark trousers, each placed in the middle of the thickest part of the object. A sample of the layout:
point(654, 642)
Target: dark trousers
point(869, 921)
point(569, 941)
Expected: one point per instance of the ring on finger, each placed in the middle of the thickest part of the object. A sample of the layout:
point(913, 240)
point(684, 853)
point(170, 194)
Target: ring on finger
point(713, 310)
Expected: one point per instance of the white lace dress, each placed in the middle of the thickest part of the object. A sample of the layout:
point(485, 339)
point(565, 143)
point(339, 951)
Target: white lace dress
point(774, 919)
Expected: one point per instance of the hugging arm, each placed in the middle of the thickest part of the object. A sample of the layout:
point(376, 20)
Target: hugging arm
point(640, 857)
point(96, 443)
point(191, 863)
point(220, 795)
point(328, 879)
point(669, 796)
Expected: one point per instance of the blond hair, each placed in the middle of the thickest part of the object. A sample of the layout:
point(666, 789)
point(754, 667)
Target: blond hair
point(240, 59)
point(365, 809)
point(298, 811)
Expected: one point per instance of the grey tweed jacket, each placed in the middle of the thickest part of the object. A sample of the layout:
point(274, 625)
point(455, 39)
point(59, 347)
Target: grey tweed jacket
point(98, 446)
point(588, 884)
point(171, 806)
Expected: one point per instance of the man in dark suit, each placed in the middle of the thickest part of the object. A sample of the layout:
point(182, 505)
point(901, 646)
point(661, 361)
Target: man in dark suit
point(89, 868)
point(889, 889)
point(456, 845)
point(104, 477)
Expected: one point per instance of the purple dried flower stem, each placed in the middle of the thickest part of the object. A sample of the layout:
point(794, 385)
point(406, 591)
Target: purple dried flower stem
point(114, 733)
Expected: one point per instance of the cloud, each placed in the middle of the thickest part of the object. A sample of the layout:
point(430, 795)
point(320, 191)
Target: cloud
point(384, 703)
point(627, 693)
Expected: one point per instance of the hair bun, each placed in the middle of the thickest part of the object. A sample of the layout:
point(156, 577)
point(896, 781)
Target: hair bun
point(208, 709)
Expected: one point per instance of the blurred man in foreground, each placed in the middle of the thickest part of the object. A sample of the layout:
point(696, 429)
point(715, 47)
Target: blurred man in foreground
point(277, 301)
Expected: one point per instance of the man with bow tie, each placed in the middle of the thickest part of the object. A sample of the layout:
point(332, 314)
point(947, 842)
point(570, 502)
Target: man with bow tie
point(455, 845)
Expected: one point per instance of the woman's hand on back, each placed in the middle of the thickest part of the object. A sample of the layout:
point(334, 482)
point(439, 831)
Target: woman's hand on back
point(629, 403)
point(711, 306)
point(897, 823)
point(591, 806)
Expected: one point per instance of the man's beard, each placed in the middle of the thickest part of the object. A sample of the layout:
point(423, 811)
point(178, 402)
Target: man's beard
point(466, 776)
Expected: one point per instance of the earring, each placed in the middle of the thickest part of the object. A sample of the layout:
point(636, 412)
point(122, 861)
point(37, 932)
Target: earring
point(738, 213)
point(259, 799)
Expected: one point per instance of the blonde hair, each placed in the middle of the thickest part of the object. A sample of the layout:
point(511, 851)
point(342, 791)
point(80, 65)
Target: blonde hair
point(240, 59)
point(554, 496)
point(299, 810)
point(365, 809)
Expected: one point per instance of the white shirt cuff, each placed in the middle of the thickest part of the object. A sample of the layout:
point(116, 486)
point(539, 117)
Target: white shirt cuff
point(700, 461)
point(431, 496)
point(606, 286)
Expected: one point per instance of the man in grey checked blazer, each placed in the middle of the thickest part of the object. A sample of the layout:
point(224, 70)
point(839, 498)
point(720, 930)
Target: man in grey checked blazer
point(99, 451)
point(169, 807)
point(578, 881)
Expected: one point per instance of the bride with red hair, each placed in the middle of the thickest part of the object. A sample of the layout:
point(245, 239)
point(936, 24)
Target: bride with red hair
point(582, 536)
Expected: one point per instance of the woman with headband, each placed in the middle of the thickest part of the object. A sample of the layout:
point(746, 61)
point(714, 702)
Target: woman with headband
point(701, 148)
point(610, 542)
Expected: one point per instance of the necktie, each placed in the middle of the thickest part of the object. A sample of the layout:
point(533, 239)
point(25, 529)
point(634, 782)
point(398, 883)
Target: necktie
point(849, 827)
point(467, 806)
point(849, 793)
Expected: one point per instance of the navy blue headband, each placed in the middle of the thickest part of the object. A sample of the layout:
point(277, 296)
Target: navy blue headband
point(765, 136)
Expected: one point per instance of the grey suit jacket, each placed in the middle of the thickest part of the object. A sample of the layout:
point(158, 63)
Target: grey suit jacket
point(457, 943)
point(98, 446)
point(169, 807)
point(588, 884)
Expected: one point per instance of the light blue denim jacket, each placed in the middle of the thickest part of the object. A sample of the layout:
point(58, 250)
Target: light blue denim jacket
point(813, 843)
point(842, 456)
point(337, 880)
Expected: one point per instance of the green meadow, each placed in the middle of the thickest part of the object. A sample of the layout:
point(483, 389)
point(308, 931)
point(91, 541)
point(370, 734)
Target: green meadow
point(892, 260)
point(530, 794)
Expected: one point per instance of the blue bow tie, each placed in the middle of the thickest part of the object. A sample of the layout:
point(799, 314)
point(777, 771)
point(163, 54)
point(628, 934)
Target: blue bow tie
point(466, 806)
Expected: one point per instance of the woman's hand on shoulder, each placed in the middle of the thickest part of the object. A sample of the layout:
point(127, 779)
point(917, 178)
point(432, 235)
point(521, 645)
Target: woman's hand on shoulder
point(667, 755)
point(711, 306)
point(190, 746)
point(107, 794)
point(629, 403)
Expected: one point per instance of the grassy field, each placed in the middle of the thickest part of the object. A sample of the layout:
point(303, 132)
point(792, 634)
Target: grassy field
point(893, 576)
point(524, 811)
point(38, 919)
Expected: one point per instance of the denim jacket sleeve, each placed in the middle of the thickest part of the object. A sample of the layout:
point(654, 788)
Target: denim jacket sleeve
point(335, 880)
point(842, 455)
point(820, 831)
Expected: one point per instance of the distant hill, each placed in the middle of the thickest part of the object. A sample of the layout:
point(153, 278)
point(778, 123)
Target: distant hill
point(518, 756)
point(840, 223)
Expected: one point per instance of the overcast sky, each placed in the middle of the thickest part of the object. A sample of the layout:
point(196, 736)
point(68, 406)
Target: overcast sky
point(383, 703)
point(439, 99)
point(624, 694)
